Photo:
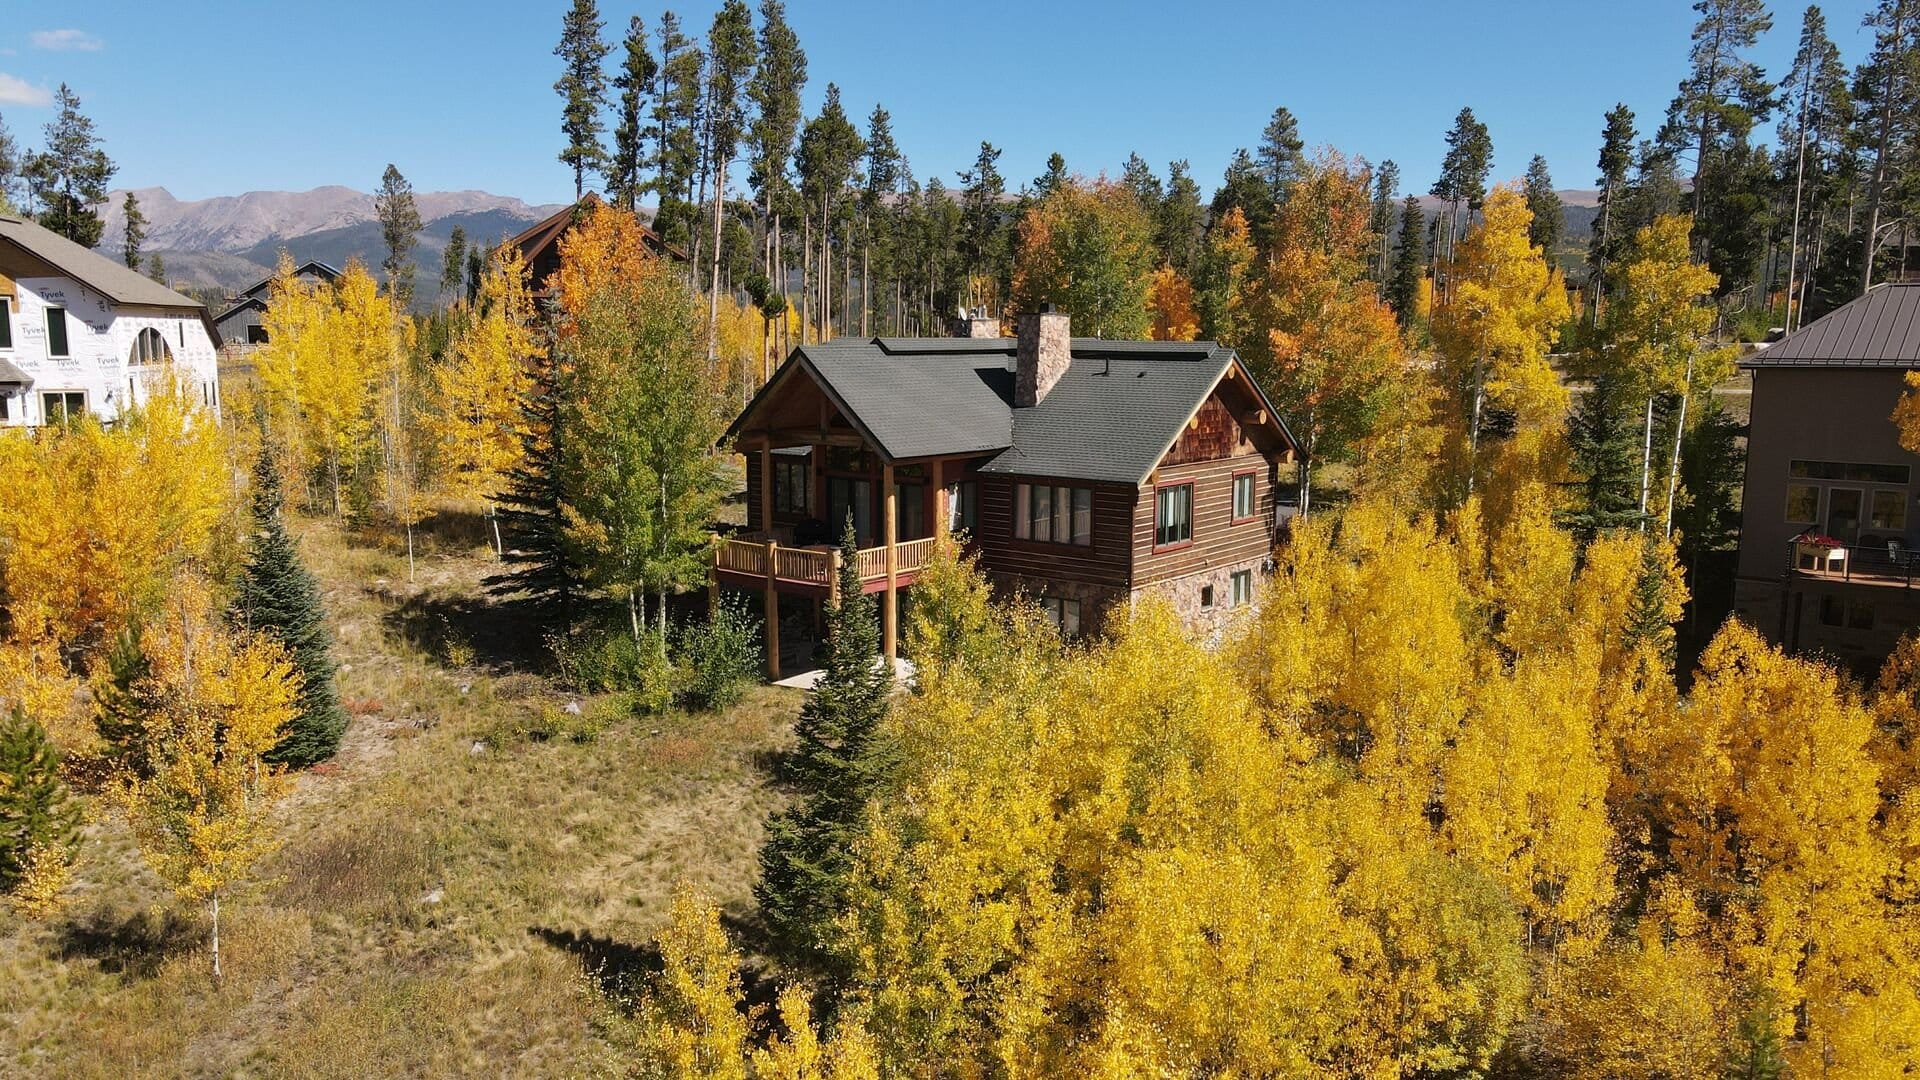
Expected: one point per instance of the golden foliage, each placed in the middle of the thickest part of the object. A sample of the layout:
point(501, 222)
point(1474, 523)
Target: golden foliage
point(477, 392)
point(44, 876)
point(1087, 247)
point(1170, 301)
point(606, 248)
point(689, 1025)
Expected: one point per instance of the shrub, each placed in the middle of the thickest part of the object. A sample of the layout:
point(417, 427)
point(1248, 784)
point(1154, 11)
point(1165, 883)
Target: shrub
point(609, 660)
point(721, 656)
point(38, 823)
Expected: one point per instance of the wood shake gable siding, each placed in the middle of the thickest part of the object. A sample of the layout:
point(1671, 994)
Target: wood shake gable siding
point(1207, 455)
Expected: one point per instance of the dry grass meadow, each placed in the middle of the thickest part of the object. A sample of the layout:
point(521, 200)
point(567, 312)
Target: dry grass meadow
point(454, 896)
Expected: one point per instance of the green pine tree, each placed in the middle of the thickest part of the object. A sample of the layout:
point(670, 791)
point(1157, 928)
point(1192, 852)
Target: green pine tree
point(453, 264)
point(1282, 154)
point(583, 87)
point(35, 813)
point(635, 82)
point(1604, 435)
point(277, 596)
point(135, 226)
point(400, 229)
point(69, 178)
point(1755, 1053)
point(1647, 614)
point(1409, 263)
point(120, 704)
point(845, 758)
point(1548, 215)
point(545, 569)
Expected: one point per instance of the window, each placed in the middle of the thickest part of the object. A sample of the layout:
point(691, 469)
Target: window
point(1206, 596)
point(910, 508)
point(1803, 504)
point(1173, 517)
point(1053, 513)
point(1848, 470)
point(790, 483)
point(6, 406)
point(149, 348)
point(1859, 616)
point(1243, 501)
point(1832, 611)
point(1890, 510)
point(963, 506)
point(60, 406)
point(1240, 592)
point(256, 334)
point(57, 331)
point(1064, 614)
point(6, 322)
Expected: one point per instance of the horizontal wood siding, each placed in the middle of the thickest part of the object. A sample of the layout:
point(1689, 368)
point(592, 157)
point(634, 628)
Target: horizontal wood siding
point(753, 491)
point(1104, 562)
point(1208, 454)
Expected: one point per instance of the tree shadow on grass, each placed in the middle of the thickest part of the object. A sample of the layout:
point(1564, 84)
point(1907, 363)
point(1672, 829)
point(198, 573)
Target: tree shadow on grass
point(461, 630)
point(623, 970)
point(133, 943)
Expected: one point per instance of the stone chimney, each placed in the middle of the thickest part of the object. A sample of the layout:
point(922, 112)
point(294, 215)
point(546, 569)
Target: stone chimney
point(1045, 349)
point(976, 324)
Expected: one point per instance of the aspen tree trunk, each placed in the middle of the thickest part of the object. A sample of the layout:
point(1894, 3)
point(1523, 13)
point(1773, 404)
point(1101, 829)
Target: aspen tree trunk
point(1646, 461)
point(713, 294)
point(633, 614)
point(806, 273)
point(826, 268)
point(866, 283)
point(214, 904)
point(1679, 432)
point(1876, 185)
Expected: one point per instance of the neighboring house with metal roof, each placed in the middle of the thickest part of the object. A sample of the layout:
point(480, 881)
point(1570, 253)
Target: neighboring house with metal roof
point(1085, 473)
point(243, 323)
point(81, 332)
point(1829, 523)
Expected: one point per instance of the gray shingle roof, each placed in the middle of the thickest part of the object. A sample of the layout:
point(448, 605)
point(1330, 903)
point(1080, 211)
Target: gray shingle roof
point(1111, 417)
point(99, 273)
point(1880, 329)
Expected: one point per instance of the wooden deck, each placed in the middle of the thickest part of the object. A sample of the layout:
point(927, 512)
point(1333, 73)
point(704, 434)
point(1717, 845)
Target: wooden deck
point(812, 571)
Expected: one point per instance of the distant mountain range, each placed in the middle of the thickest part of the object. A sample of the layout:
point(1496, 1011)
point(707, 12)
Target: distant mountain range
point(229, 242)
point(217, 246)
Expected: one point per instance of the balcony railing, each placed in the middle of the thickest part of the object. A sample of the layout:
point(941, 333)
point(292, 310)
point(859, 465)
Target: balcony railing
point(817, 566)
point(1880, 563)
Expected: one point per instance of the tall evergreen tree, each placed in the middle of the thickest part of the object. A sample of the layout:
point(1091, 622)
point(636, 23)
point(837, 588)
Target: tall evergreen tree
point(400, 230)
point(1616, 164)
point(844, 760)
point(1053, 179)
point(1548, 215)
point(453, 265)
point(1887, 86)
point(157, 268)
point(730, 56)
point(1603, 434)
point(1386, 185)
point(544, 568)
point(884, 162)
point(677, 121)
point(37, 819)
point(1409, 262)
point(1136, 176)
point(1281, 154)
point(638, 70)
point(1720, 100)
point(1463, 173)
point(830, 149)
point(278, 597)
point(582, 87)
point(135, 231)
point(69, 177)
point(778, 78)
point(1181, 221)
point(984, 228)
point(1712, 468)
point(1816, 120)
point(1244, 188)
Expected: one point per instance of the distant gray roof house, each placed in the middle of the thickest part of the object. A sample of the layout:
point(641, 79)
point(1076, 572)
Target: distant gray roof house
point(1111, 417)
point(1878, 330)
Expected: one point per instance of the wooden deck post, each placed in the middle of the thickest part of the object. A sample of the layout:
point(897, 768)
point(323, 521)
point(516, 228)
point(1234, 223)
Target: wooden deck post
point(939, 496)
point(773, 606)
point(890, 611)
point(766, 486)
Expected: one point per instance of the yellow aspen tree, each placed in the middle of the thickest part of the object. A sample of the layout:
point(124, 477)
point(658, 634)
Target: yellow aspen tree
point(1647, 1007)
point(1655, 327)
point(201, 806)
point(801, 1055)
point(1170, 302)
point(690, 1025)
point(1493, 332)
point(477, 392)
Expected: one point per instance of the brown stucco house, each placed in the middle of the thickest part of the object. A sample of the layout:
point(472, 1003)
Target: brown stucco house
point(1828, 519)
point(1086, 473)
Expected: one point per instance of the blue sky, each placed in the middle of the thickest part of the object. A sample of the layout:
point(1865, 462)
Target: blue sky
point(218, 98)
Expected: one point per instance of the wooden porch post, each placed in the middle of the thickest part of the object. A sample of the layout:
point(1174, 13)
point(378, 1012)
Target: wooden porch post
point(766, 487)
point(890, 611)
point(773, 608)
point(939, 496)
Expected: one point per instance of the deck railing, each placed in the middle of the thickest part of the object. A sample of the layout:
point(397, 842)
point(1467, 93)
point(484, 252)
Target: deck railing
point(814, 565)
point(1882, 563)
